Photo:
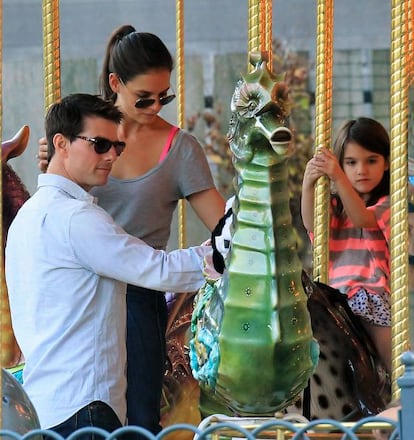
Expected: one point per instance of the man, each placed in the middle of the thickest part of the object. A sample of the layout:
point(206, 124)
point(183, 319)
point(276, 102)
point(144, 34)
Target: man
point(67, 265)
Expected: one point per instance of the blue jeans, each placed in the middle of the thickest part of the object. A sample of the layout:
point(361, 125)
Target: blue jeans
point(147, 317)
point(97, 414)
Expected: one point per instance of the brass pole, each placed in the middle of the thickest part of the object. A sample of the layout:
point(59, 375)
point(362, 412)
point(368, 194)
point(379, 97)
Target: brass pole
point(265, 30)
point(51, 52)
point(269, 33)
point(253, 43)
point(260, 29)
point(400, 16)
point(262, 25)
point(182, 239)
point(323, 118)
point(3, 284)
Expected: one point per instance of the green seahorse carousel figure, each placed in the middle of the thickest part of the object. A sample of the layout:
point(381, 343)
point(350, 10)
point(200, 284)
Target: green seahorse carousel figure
point(252, 349)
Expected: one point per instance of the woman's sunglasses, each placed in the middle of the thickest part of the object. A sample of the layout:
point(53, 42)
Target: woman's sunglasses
point(147, 102)
point(102, 145)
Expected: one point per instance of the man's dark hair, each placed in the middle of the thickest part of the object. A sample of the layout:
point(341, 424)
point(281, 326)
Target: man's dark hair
point(68, 116)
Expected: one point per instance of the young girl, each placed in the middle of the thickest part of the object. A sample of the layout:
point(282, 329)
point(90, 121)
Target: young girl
point(359, 261)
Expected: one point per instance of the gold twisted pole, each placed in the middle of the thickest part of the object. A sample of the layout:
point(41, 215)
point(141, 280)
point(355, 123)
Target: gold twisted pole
point(51, 51)
point(182, 239)
point(253, 43)
point(260, 29)
point(265, 30)
point(269, 33)
point(323, 118)
point(400, 16)
point(3, 284)
point(262, 25)
point(409, 31)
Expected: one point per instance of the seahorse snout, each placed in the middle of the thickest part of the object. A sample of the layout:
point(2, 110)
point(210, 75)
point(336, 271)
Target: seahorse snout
point(280, 140)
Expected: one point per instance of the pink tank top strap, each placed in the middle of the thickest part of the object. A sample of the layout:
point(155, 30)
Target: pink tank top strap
point(167, 145)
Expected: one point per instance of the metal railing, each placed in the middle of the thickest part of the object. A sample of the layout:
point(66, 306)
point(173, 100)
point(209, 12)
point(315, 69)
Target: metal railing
point(253, 428)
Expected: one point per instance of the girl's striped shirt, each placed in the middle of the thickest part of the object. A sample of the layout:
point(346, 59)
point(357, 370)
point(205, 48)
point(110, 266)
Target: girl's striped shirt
point(360, 258)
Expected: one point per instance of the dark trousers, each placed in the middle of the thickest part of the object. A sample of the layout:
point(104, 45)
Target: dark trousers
point(147, 317)
point(97, 414)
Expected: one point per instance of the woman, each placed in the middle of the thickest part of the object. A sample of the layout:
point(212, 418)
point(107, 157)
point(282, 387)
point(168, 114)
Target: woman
point(160, 165)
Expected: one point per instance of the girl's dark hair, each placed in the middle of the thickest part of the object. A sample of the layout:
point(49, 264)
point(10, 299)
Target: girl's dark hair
point(130, 53)
point(371, 135)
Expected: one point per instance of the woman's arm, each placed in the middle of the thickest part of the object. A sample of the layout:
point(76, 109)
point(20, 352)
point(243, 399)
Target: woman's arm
point(209, 206)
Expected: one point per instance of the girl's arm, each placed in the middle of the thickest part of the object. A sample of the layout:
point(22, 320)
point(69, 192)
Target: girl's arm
point(354, 205)
point(310, 176)
point(209, 206)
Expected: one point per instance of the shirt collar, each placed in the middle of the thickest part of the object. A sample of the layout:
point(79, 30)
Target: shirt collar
point(66, 185)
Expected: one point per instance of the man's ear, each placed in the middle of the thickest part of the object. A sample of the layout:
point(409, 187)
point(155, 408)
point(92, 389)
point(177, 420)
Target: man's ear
point(60, 143)
point(114, 82)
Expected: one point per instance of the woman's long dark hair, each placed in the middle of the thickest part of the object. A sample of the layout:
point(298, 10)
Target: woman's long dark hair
point(130, 53)
point(371, 135)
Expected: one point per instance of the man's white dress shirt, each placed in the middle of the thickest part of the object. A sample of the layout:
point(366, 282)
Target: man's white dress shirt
point(67, 265)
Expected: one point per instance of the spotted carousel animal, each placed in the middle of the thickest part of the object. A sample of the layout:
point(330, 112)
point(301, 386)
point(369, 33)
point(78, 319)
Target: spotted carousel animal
point(349, 381)
point(254, 330)
point(14, 194)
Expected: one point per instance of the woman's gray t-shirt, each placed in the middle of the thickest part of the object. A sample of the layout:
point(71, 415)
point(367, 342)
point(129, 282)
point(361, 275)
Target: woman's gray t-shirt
point(144, 206)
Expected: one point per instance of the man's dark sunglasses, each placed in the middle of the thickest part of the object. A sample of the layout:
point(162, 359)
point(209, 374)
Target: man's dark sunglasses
point(147, 102)
point(102, 145)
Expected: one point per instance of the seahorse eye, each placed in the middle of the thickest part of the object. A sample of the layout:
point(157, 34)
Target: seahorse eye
point(252, 105)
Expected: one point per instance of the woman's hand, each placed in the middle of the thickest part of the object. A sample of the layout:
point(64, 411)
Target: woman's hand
point(42, 155)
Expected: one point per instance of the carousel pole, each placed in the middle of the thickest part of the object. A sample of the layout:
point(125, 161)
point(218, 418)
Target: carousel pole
point(259, 30)
point(265, 29)
point(253, 33)
point(180, 60)
point(323, 123)
point(268, 27)
point(401, 16)
point(51, 52)
point(3, 283)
